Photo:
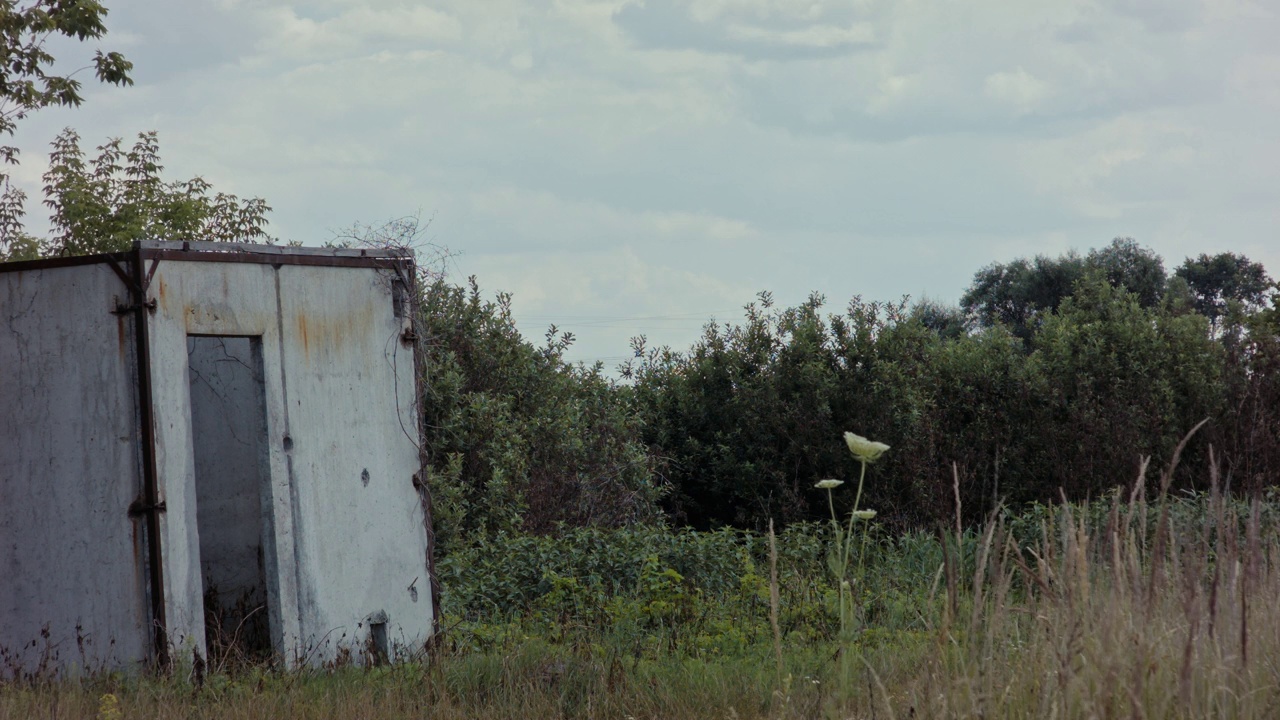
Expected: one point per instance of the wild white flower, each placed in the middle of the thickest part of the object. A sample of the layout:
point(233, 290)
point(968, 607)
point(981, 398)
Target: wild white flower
point(829, 484)
point(864, 514)
point(864, 449)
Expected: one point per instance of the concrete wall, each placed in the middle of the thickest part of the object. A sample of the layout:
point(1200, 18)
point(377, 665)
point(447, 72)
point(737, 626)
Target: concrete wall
point(353, 422)
point(343, 528)
point(72, 561)
point(339, 526)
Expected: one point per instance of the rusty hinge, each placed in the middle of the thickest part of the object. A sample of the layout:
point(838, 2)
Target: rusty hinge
point(408, 337)
point(126, 308)
point(142, 507)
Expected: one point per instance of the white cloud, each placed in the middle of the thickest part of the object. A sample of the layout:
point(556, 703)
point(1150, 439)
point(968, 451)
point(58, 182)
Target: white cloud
point(361, 28)
point(1018, 89)
point(639, 159)
point(1253, 81)
point(892, 91)
point(813, 36)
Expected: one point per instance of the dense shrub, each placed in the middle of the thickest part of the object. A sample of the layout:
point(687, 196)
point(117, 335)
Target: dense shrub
point(1098, 374)
point(517, 438)
point(750, 416)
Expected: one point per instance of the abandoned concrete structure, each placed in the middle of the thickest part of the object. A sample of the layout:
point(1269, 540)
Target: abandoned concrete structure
point(204, 443)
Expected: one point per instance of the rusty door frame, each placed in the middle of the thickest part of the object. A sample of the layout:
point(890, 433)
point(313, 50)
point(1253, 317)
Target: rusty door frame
point(149, 505)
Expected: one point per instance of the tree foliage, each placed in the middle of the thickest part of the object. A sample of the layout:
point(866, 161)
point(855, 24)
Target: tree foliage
point(106, 202)
point(27, 84)
point(735, 430)
point(1092, 379)
point(1217, 282)
point(1022, 293)
point(743, 416)
point(1123, 382)
point(1019, 293)
point(519, 438)
point(516, 439)
point(26, 81)
point(946, 320)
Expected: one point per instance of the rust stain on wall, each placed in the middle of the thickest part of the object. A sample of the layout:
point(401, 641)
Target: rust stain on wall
point(320, 334)
point(218, 318)
point(303, 336)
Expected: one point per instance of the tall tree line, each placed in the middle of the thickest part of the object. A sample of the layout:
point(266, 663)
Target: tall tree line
point(1054, 375)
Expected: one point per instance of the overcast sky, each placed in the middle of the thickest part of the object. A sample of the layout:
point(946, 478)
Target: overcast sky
point(629, 167)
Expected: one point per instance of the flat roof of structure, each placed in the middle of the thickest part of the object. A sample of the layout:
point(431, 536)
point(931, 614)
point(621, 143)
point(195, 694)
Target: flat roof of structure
point(231, 252)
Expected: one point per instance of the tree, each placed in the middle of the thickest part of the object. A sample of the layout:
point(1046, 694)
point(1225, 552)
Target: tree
point(516, 438)
point(15, 243)
point(519, 438)
point(745, 417)
point(107, 202)
point(26, 85)
point(1022, 293)
point(1126, 264)
point(1019, 294)
point(750, 417)
point(1219, 280)
point(1250, 436)
point(1121, 381)
point(946, 320)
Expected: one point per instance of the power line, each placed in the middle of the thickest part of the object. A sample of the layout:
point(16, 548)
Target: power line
point(626, 318)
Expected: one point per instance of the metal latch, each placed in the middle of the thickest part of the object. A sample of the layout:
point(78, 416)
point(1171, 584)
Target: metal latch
point(142, 507)
point(125, 309)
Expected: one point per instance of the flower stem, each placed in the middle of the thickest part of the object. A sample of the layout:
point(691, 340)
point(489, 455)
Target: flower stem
point(835, 526)
point(848, 535)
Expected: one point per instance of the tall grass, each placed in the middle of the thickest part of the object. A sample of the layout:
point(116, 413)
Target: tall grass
point(1161, 610)
point(1122, 607)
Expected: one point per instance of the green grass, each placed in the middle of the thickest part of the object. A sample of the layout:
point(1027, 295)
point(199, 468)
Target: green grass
point(1114, 609)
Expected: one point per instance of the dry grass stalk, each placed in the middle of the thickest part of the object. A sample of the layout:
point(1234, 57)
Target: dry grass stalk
point(1076, 641)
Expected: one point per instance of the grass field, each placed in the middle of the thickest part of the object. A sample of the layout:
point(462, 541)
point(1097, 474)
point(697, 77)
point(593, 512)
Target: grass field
point(1120, 608)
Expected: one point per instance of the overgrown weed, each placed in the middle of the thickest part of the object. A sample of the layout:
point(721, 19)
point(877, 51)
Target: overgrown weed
point(1118, 607)
point(1121, 608)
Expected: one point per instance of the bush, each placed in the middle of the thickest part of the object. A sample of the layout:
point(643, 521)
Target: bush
point(519, 439)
